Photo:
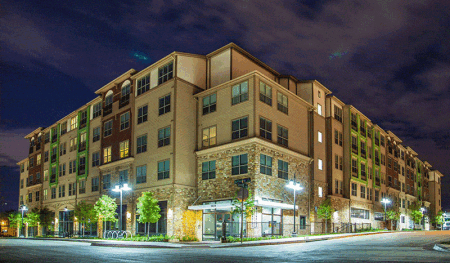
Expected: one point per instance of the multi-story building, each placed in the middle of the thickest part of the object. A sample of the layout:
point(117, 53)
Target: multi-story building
point(188, 126)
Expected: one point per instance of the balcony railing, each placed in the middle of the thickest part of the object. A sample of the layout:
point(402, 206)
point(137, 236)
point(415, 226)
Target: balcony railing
point(53, 158)
point(377, 141)
point(124, 101)
point(81, 170)
point(83, 123)
point(362, 131)
point(377, 181)
point(53, 178)
point(377, 161)
point(363, 153)
point(354, 149)
point(107, 110)
point(54, 138)
point(354, 126)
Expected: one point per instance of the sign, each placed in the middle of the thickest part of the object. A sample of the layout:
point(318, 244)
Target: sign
point(242, 181)
point(239, 193)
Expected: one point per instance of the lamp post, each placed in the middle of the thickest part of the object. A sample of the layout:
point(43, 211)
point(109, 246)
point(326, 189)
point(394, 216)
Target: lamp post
point(296, 187)
point(23, 208)
point(443, 220)
point(121, 188)
point(385, 201)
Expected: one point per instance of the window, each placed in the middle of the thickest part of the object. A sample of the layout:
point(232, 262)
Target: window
point(124, 121)
point(32, 161)
point(283, 169)
point(164, 105)
point(265, 164)
point(354, 189)
point(353, 122)
point(63, 128)
point(62, 149)
point(81, 165)
point(123, 177)
point(403, 187)
point(383, 159)
point(63, 169)
point(47, 137)
point(38, 159)
point(363, 191)
point(336, 186)
point(143, 84)
point(72, 166)
point(377, 195)
point(319, 94)
point(107, 128)
point(95, 159)
point(21, 184)
point(239, 93)
point(209, 136)
point(359, 213)
point(363, 171)
point(239, 164)
point(82, 146)
point(208, 170)
point(320, 164)
point(337, 137)
point(45, 194)
point(107, 154)
point(320, 191)
point(141, 144)
point(209, 104)
point(72, 189)
point(96, 134)
point(142, 114)
point(141, 174)
point(319, 109)
point(62, 191)
point(239, 128)
point(382, 140)
point(265, 93)
point(163, 169)
point(125, 95)
point(337, 113)
point(124, 146)
point(363, 149)
point(265, 128)
point(319, 136)
point(73, 123)
point(354, 145)
point(340, 163)
point(53, 193)
point(369, 193)
point(95, 184)
point(30, 197)
point(282, 136)
point(97, 110)
point(165, 73)
point(73, 144)
point(82, 189)
point(164, 136)
point(336, 161)
point(83, 119)
point(106, 181)
point(282, 103)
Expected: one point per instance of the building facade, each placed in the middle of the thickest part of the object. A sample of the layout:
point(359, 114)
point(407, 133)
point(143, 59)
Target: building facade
point(188, 126)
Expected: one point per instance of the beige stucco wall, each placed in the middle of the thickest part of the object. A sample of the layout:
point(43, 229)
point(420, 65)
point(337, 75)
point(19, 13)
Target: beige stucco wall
point(192, 69)
point(220, 66)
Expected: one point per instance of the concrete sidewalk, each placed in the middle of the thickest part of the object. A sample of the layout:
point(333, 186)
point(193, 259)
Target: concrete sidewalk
point(210, 244)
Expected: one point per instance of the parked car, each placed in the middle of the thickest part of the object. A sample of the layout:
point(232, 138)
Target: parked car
point(446, 226)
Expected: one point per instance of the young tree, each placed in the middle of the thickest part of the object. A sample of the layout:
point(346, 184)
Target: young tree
point(85, 213)
point(325, 211)
point(415, 213)
point(46, 218)
point(439, 218)
point(33, 218)
point(393, 215)
point(15, 219)
point(249, 203)
point(148, 209)
point(105, 208)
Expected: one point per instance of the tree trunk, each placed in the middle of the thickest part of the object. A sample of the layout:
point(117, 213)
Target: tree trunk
point(326, 225)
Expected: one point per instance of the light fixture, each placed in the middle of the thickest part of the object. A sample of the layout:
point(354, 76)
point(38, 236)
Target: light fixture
point(295, 187)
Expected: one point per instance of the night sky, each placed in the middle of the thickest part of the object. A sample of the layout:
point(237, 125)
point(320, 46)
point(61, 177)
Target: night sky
point(390, 59)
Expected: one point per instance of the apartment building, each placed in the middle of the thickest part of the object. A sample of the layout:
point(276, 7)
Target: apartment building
point(188, 126)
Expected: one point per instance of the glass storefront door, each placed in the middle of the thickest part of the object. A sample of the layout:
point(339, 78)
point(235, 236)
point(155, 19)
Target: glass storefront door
point(213, 221)
point(271, 221)
point(65, 223)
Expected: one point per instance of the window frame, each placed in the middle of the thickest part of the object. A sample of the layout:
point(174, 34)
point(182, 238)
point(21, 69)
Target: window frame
point(242, 94)
point(241, 132)
point(164, 106)
point(165, 139)
point(211, 106)
point(241, 167)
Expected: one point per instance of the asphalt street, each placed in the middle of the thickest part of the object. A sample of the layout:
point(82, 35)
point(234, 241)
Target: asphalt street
point(391, 247)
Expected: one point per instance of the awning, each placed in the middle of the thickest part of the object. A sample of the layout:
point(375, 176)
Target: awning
point(211, 206)
point(272, 204)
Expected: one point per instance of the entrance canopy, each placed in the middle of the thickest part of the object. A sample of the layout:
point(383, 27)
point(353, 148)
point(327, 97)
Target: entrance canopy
point(273, 204)
point(211, 206)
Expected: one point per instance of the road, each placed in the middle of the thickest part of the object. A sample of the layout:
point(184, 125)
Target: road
point(392, 247)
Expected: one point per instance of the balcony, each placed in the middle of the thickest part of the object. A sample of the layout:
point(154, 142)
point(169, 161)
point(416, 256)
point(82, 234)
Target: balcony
point(53, 158)
point(81, 169)
point(31, 150)
point(377, 161)
point(54, 138)
point(354, 149)
point(377, 181)
point(377, 141)
point(363, 176)
point(82, 147)
point(354, 126)
point(107, 110)
point(38, 147)
point(53, 178)
point(362, 130)
point(125, 100)
point(363, 153)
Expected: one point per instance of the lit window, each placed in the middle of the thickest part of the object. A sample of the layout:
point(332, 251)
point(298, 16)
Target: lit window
point(320, 164)
point(319, 136)
point(124, 149)
point(74, 123)
point(320, 191)
point(209, 136)
point(38, 160)
point(319, 109)
point(107, 155)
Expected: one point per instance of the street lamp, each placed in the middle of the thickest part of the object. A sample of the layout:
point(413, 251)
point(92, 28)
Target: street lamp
point(23, 208)
point(296, 187)
point(120, 189)
point(385, 201)
point(65, 225)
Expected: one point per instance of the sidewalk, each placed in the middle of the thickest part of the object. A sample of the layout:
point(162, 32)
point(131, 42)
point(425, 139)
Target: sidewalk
point(211, 244)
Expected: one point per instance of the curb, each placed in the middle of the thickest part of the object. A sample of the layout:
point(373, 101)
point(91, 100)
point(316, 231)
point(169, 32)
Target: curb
point(438, 247)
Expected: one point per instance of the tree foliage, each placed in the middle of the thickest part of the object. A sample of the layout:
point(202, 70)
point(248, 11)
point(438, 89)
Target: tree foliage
point(105, 208)
point(325, 211)
point(85, 213)
point(148, 208)
point(15, 219)
point(46, 217)
point(439, 218)
point(33, 218)
point(415, 213)
point(249, 203)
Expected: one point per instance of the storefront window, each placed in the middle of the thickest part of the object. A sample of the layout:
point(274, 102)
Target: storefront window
point(271, 221)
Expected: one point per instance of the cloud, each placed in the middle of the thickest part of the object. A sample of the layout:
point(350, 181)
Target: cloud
point(13, 147)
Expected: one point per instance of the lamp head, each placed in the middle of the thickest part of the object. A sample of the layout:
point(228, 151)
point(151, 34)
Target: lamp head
point(116, 189)
point(126, 187)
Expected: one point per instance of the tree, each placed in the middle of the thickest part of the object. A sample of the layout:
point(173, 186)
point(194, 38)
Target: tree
point(325, 211)
point(439, 218)
point(105, 208)
point(415, 213)
point(33, 218)
point(249, 203)
point(148, 209)
point(393, 215)
point(15, 219)
point(85, 213)
point(46, 217)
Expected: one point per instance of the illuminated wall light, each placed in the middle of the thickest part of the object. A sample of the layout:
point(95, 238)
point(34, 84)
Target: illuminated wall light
point(128, 215)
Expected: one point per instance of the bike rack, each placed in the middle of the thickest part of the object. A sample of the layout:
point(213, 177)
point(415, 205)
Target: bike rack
point(117, 234)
